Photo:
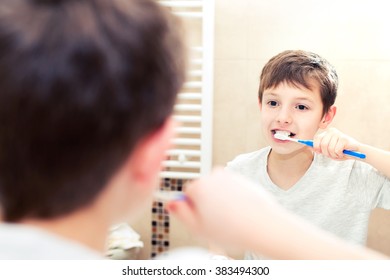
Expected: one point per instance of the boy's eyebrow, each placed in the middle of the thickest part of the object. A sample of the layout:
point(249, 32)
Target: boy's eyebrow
point(305, 99)
point(272, 94)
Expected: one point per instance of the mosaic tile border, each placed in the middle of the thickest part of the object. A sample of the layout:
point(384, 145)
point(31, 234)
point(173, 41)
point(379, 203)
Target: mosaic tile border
point(160, 218)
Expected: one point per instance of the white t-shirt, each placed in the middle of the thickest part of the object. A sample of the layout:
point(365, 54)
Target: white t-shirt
point(21, 242)
point(337, 196)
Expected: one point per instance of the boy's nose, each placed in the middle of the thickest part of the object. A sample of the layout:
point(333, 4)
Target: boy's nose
point(284, 116)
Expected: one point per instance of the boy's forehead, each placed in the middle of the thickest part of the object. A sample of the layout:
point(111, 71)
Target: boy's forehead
point(311, 86)
point(312, 91)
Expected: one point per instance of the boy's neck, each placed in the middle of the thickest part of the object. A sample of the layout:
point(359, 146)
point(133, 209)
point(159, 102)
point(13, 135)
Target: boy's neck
point(285, 170)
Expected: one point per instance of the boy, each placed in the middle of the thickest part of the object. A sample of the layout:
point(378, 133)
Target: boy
point(296, 97)
point(87, 90)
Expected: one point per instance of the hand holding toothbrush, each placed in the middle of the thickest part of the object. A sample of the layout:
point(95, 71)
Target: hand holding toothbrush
point(223, 208)
point(337, 145)
point(331, 143)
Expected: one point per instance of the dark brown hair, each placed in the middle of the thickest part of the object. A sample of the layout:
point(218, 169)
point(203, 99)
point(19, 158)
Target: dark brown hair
point(300, 68)
point(81, 82)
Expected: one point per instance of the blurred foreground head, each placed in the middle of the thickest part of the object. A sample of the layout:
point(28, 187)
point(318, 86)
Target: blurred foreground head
point(81, 82)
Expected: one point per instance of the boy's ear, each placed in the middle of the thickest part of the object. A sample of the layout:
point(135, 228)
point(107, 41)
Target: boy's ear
point(260, 105)
point(146, 159)
point(328, 117)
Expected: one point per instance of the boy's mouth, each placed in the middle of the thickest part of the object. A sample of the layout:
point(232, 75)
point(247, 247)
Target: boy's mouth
point(284, 132)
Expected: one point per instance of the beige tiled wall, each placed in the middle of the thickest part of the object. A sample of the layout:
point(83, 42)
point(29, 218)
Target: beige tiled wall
point(352, 35)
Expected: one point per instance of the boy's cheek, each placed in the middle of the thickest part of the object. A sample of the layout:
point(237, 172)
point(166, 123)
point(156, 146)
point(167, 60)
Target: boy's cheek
point(309, 131)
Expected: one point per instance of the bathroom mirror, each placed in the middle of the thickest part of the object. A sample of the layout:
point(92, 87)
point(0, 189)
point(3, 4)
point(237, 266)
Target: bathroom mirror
point(351, 35)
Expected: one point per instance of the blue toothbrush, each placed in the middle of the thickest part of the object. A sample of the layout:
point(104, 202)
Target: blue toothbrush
point(165, 196)
point(281, 136)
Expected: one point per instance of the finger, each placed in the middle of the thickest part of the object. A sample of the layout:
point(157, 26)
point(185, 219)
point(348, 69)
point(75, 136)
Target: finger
point(183, 210)
point(317, 142)
point(332, 148)
point(324, 145)
point(339, 148)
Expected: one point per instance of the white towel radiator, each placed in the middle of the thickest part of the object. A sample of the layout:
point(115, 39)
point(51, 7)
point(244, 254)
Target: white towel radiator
point(192, 152)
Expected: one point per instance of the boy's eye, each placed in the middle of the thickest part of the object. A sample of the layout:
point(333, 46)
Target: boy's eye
point(272, 103)
point(302, 107)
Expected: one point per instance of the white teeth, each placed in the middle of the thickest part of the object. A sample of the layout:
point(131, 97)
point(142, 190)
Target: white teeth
point(283, 135)
point(282, 132)
point(280, 136)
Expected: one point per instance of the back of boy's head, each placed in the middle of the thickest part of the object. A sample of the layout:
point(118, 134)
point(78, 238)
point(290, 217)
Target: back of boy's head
point(301, 68)
point(81, 82)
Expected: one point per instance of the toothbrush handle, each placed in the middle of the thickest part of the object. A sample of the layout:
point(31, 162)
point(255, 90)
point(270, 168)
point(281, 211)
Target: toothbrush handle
point(347, 152)
point(306, 142)
point(354, 154)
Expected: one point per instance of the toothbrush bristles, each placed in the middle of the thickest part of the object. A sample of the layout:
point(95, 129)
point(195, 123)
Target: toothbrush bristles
point(281, 136)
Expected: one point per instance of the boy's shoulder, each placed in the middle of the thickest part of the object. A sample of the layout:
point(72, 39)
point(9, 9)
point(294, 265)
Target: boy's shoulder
point(18, 241)
point(250, 159)
point(351, 166)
